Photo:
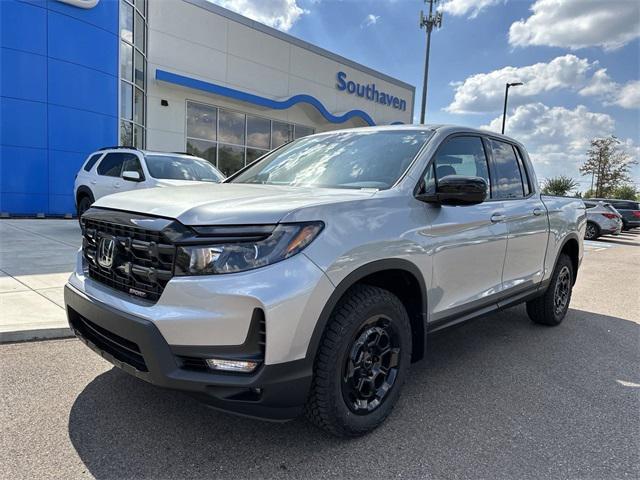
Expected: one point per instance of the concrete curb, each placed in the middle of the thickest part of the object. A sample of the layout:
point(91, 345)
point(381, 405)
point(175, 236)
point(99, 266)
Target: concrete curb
point(36, 334)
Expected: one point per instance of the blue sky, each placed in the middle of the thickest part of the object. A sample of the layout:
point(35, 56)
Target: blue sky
point(579, 59)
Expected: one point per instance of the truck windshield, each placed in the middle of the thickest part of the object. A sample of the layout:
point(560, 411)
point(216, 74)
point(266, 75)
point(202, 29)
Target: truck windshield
point(182, 168)
point(367, 159)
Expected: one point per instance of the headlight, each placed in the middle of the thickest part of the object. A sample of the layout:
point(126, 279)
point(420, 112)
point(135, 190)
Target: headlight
point(285, 241)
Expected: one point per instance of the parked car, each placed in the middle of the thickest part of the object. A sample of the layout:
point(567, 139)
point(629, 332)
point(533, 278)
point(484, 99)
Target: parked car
point(629, 209)
point(310, 280)
point(602, 219)
point(120, 169)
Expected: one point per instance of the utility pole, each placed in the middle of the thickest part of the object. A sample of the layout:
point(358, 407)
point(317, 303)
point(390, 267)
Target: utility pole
point(506, 95)
point(432, 20)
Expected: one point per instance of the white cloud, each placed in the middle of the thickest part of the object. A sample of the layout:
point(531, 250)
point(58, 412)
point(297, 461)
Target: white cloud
point(612, 93)
point(464, 7)
point(280, 14)
point(575, 24)
point(629, 95)
point(557, 138)
point(370, 20)
point(484, 92)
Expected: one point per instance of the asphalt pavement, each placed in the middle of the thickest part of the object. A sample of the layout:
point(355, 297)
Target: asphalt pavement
point(498, 397)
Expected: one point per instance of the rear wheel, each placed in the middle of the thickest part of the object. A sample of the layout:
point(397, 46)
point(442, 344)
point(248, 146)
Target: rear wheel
point(361, 363)
point(592, 232)
point(551, 308)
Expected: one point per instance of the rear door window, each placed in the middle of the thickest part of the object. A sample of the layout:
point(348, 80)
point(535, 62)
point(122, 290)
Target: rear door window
point(91, 162)
point(508, 181)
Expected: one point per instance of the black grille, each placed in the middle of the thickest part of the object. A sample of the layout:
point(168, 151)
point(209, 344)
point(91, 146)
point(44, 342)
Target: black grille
point(142, 259)
point(118, 347)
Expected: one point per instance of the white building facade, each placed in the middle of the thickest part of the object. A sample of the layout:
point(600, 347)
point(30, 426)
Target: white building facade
point(229, 89)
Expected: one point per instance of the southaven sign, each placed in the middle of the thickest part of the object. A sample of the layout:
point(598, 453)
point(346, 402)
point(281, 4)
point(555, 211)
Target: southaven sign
point(369, 91)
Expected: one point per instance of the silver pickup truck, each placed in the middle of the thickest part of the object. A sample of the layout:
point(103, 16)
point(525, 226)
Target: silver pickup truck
point(310, 280)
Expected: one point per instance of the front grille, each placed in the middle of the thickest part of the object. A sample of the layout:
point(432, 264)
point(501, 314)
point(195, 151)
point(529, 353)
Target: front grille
point(142, 260)
point(118, 347)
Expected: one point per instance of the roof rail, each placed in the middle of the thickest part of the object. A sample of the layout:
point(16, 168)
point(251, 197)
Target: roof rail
point(184, 153)
point(116, 147)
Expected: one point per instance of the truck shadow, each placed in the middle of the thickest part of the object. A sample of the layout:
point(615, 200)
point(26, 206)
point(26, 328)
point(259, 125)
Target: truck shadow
point(497, 397)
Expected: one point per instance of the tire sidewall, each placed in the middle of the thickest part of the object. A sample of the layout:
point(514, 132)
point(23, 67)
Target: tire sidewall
point(596, 231)
point(83, 201)
point(398, 317)
point(563, 261)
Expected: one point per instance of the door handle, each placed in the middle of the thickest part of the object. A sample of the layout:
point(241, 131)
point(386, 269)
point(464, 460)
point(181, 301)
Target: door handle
point(93, 182)
point(117, 185)
point(538, 211)
point(497, 217)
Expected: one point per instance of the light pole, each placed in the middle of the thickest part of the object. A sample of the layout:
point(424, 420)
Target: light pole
point(433, 20)
point(506, 96)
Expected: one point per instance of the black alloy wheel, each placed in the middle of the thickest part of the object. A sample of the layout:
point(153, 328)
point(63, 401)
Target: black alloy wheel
point(371, 367)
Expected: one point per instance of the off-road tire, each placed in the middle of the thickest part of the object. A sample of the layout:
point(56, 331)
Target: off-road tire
point(326, 405)
point(545, 309)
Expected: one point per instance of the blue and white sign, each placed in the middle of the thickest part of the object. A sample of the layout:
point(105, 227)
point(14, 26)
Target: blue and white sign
point(369, 91)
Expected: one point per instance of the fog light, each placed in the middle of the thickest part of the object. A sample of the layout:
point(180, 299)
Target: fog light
point(244, 366)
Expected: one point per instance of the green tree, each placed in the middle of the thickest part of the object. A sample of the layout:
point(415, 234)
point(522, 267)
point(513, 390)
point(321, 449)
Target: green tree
point(608, 165)
point(625, 192)
point(559, 186)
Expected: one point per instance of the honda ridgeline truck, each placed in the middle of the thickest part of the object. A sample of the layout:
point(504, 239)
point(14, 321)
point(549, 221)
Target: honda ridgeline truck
point(310, 280)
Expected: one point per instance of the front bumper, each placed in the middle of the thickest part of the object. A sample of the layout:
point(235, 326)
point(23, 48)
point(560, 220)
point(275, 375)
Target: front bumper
point(134, 344)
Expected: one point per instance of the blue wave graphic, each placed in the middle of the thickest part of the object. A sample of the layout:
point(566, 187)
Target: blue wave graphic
point(176, 79)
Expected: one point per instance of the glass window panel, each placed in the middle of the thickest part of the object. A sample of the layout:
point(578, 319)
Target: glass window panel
point(202, 149)
point(230, 159)
point(126, 21)
point(138, 106)
point(126, 134)
point(141, 68)
point(132, 164)
point(302, 131)
point(126, 61)
point(258, 132)
point(231, 127)
point(111, 164)
point(254, 154)
point(138, 136)
point(201, 121)
point(281, 133)
point(139, 5)
point(92, 161)
point(508, 181)
point(126, 101)
point(139, 32)
point(462, 156)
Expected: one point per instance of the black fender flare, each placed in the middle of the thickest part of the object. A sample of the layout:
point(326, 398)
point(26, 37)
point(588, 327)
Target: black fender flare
point(570, 236)
point(353, 278)
point(84, 190)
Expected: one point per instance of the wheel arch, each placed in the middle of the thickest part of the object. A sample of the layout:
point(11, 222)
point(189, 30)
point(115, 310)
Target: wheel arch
point(83, 190)
point(570, 247)
point(400, 277)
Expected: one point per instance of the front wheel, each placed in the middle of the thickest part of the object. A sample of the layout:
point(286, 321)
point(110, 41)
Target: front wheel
point(361, 363)
point(551, 308)
point(83, 205)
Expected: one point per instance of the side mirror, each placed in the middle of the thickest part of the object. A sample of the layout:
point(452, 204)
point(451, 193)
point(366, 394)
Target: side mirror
point(457, 190)
point(131, 176)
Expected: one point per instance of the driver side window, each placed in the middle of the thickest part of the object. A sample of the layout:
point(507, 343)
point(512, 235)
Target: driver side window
point(458, 156)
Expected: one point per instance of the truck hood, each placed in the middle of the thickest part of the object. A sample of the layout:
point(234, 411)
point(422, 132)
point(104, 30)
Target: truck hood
point(227, 203)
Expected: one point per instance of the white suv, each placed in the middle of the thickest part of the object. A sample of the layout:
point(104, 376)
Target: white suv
point(120, 169)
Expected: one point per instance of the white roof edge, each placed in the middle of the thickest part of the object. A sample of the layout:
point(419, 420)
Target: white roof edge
point(236, 17)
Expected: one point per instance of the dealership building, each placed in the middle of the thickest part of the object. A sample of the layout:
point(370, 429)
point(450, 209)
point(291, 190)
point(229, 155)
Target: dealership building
point(169, 75)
